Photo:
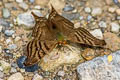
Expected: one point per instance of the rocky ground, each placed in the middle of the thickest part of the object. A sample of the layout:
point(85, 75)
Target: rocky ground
point(100, 17)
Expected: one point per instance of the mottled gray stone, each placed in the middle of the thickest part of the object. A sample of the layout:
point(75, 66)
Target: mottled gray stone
point(100, 68)
point(6, 13)
point(71, 16)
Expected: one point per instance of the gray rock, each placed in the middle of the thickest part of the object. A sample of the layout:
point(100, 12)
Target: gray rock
point(17, 75)
point(1, 74)
point(19, 1)
point(23, 6)
point(27, 19)
point(115, 27)
point(13, 70)
point(71, 16)
point(61, 73)
point(89, 17)
point(68, 8)
point(9, 32)
point(87, 10)
point(118, 17)
point(81, 17)
point(4, 23)
point(31, 1)
point(97, 33)
point(96, 11)
point(37, 77)
point(12, 46)
point(6, 13)
point(102, 24)
point(100, 68)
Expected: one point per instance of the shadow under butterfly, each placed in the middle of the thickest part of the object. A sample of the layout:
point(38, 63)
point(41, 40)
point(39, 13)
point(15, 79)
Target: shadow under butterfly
point(55, 32)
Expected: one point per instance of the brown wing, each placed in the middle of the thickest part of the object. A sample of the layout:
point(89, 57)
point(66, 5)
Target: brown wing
point(36, 50)
point(42, 30)
point(60, 23)
point(82, 36)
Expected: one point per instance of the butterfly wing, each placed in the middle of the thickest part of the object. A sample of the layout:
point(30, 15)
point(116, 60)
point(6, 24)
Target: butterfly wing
point(82, 36)
point(63, 25)
point(36, 50)
point(42, 30)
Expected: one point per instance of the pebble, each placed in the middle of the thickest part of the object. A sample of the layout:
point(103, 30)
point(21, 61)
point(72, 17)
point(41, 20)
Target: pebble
point(37, 77)
point(87, 10)
point(77, 25)
point(115, 27)
point(17, 38)
point(81, 17)
point(118, 11)
point(9, 33)
point(19, 1)
point(31, 1)
point(97, 33)
point(118, 17)
point(111, 9)
point(89, 17)
point(102, 24)
point(1, 68)
point(6, 13)
point(1, 74)
point(18, 75)
point(68, 8)
point(23, 6)
point(61, 73)
point(12, 46)
point(96, 11)
point(6, 66)
point(38, 2)
point(37, 7)
point(8, 41)
point(13, 70)
point(1, 28)
point(4, 23)
point(100, 68)
point(71, 16)
point(0, 49)
point(26, 19)
point(20, 64)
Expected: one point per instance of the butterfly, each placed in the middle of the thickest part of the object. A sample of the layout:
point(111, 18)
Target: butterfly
point(55, 31)
point(66, 29)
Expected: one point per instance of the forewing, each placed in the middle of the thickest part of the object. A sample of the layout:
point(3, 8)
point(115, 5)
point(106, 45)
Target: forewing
point(36, 50)
point(42, 30)
point(61, 23)
point(82, 36)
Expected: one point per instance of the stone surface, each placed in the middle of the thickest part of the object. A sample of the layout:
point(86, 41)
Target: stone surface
point(71, 16)
point(6, 13)
point(97, 33)
point(12, 46)
point(9, 32)
point(68, 8)
point(115, 27)
point(102, 24)
point(6, 66)
point(19, 1)
point(37, 77)
point(100, 68)
point(27, 19)
point(66, 55)
point(23, 6)
point(96, 11)
point(17, 76)
point(112, 40)
point(87, 10)
point(111, 9)
point(118, 11)
point(61, 73)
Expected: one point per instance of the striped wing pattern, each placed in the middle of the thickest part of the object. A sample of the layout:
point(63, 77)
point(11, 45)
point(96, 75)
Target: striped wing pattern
point(36, 50)
point(45, 39)
point(82, 36)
